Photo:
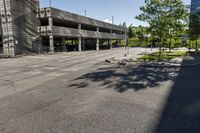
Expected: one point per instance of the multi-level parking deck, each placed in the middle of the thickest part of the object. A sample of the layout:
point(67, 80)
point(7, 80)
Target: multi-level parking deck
point(59, 28)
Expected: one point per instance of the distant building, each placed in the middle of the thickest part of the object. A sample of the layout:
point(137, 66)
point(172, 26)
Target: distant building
point(195, 6)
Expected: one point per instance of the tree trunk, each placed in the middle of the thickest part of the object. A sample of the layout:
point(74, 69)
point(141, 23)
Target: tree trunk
point(160, 47)
point(196, 50)
point(189, 46)
point(170, 44)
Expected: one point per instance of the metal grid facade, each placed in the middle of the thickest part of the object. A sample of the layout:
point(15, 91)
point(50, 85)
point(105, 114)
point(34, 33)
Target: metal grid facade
point(19, 26)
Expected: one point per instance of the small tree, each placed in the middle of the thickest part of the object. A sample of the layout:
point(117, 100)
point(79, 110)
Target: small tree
point(141, 33)
point(162, 15)
point(132, 31)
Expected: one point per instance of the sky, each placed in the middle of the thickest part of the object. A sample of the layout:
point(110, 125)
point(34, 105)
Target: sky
point(121, 10)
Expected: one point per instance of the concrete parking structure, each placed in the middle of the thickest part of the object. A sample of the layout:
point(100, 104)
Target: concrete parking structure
point(25, 28)
point(61, 25)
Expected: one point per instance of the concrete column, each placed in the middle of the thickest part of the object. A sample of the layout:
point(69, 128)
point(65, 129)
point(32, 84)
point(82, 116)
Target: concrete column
point(79, 40)
point(125, 39)
point(51, 40)
point(51, 44)
point(79, 44)
point(97, 42)
point(79, 26)
point(50, 21)
point(97, 45)
point(110, 43)
point(63, 45)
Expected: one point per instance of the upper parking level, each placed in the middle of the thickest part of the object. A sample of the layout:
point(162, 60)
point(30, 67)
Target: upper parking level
point(60, 15)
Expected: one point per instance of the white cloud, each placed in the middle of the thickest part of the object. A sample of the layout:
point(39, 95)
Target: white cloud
point(108, 21)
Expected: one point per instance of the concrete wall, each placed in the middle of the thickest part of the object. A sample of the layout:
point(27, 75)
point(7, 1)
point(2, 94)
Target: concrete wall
point(70, 32)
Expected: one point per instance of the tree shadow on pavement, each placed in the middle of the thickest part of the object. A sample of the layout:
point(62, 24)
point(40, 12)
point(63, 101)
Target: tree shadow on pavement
point(127, 78)
point(181, 113)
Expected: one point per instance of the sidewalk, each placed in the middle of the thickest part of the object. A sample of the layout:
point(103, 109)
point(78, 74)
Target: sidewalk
point(177, 62)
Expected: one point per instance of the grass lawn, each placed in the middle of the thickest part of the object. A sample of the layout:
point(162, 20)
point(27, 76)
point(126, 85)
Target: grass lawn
point(164, 56)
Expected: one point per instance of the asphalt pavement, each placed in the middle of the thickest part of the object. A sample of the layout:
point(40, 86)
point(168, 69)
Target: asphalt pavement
point(81, 93)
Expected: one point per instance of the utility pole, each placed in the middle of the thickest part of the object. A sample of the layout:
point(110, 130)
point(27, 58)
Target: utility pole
point(112, 19)
point(85, 11)
point(49, 3)
point(126, 43)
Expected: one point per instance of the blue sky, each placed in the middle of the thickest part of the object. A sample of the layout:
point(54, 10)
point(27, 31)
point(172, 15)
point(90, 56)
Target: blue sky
point(122, 10)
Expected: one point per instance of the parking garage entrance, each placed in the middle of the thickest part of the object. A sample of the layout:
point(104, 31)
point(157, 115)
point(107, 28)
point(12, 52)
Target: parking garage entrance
point(45, 44)
point(65, 44)
point(88, 44)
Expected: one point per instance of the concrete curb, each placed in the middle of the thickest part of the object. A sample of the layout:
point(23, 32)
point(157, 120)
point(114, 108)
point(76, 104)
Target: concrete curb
point(158, 66)
point(142, 64)
point(171, 66)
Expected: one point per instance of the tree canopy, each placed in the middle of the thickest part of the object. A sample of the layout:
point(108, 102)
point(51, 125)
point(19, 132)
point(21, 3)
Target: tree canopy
point(163, 16)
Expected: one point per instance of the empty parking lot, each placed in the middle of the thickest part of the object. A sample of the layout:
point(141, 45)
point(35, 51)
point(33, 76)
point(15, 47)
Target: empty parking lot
point(80, 93)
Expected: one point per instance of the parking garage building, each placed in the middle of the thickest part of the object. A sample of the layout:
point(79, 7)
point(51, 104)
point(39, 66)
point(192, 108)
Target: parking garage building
point(25, 28)
point(65, 31)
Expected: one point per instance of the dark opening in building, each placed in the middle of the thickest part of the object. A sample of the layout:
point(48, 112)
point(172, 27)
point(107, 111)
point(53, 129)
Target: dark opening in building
point(88, 44)
point(118, 32)
point(65, 44)
point(71, 44)
point(1, 45)
point(45, 44)
point(101, 29)
point(88, 27)
point(44, 22)
point(64, 23)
